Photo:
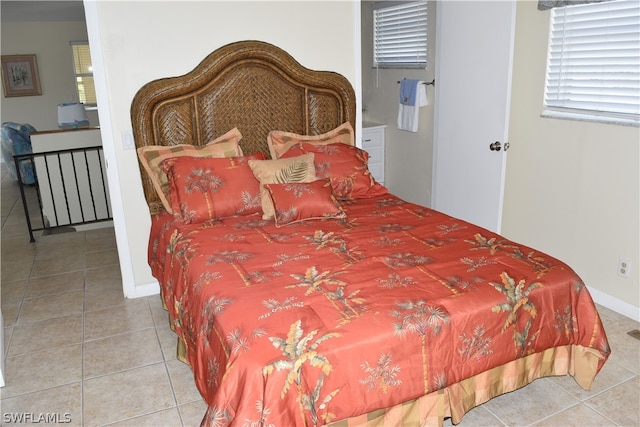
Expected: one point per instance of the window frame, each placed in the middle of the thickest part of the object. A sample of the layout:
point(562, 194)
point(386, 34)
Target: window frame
point(574, 98)
point(79, 75)
point(394, 8)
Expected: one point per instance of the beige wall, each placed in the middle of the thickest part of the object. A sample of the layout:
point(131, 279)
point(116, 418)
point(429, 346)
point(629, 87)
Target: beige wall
point(142, 41)
point(49, 41)
point(572, 188)
point(408, 155)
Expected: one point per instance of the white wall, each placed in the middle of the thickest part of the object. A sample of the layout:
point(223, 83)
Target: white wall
point(49, 41)
point(572, 188)
point(139, 41)
point(408, 155)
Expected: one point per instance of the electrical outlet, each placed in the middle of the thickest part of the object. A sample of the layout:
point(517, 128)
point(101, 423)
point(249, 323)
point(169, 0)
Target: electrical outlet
point(624, 267)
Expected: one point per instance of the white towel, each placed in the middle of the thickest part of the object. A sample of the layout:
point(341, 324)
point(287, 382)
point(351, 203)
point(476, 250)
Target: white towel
point(408, 114)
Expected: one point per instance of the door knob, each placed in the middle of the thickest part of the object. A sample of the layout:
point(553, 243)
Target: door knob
point(496, 146)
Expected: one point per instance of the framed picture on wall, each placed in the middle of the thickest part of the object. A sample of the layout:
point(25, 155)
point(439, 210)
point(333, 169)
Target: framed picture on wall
point(20, 75)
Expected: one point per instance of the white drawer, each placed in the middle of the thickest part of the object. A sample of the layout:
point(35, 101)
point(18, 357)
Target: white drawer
point(372, 139)
point(376, 154)
point(377, 170)
point(373, 143)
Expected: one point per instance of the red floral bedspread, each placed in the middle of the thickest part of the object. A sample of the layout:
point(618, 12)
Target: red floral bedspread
point(323, 320)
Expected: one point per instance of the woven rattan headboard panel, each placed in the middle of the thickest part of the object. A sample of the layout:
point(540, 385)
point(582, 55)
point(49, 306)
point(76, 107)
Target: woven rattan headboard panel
point(252, 85)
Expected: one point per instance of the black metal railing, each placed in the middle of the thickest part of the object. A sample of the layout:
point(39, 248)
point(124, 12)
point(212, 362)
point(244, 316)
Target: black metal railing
point(70, 187)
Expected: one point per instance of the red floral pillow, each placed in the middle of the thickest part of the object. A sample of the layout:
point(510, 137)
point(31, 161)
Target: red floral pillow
point(152, 155)
point(301, 201)
point(207, 188)
point(345, 165)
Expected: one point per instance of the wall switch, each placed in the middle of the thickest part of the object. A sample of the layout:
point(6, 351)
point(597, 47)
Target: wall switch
point(127, 140)
point(624, 267)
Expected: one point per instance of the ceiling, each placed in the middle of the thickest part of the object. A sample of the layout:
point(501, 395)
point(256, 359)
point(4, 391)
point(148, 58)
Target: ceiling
point(37, 11)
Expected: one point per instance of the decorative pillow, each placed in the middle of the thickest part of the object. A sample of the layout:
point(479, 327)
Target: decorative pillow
point(279, 142)
point(204, 188)
point(345, 165)
point(292, 169)
point(302, 201)
point(151, 157)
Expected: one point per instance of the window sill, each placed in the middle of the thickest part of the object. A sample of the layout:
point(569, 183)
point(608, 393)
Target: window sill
point(550, 114)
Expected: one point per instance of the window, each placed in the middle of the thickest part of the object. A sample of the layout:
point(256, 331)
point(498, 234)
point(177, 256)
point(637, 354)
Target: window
point(83, 72)
point(400, 35)
point(593, 63)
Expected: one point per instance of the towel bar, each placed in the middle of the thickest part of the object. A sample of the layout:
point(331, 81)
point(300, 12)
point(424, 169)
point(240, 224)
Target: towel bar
point(432, 82)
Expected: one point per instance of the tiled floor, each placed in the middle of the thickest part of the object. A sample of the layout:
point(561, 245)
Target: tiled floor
point(76, 348)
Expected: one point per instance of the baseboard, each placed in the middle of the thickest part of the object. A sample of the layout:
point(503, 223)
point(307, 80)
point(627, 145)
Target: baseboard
point(615, 304)
point(145, 290)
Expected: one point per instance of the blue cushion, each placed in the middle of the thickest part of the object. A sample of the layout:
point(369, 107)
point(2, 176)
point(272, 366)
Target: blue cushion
point(15, 140)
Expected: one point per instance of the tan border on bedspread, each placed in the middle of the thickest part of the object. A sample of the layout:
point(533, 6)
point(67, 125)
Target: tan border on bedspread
point(458, 399)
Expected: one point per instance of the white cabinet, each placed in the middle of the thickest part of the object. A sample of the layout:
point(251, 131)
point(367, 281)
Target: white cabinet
point(373, 143)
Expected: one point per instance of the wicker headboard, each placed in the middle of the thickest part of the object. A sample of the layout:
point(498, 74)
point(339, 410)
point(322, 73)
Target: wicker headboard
point(252, 85)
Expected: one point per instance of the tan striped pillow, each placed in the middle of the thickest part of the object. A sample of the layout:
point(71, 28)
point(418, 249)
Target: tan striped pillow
point(279, 142)
point(151, 157)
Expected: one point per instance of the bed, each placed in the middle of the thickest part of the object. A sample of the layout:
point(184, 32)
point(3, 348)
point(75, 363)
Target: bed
point(302, 292)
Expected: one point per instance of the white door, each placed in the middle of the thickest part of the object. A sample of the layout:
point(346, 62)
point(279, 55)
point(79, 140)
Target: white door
point(474, 50)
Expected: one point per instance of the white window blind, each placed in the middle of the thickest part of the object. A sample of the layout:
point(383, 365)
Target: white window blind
point(400, 35)
point(83, 71)
point(593, 64)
